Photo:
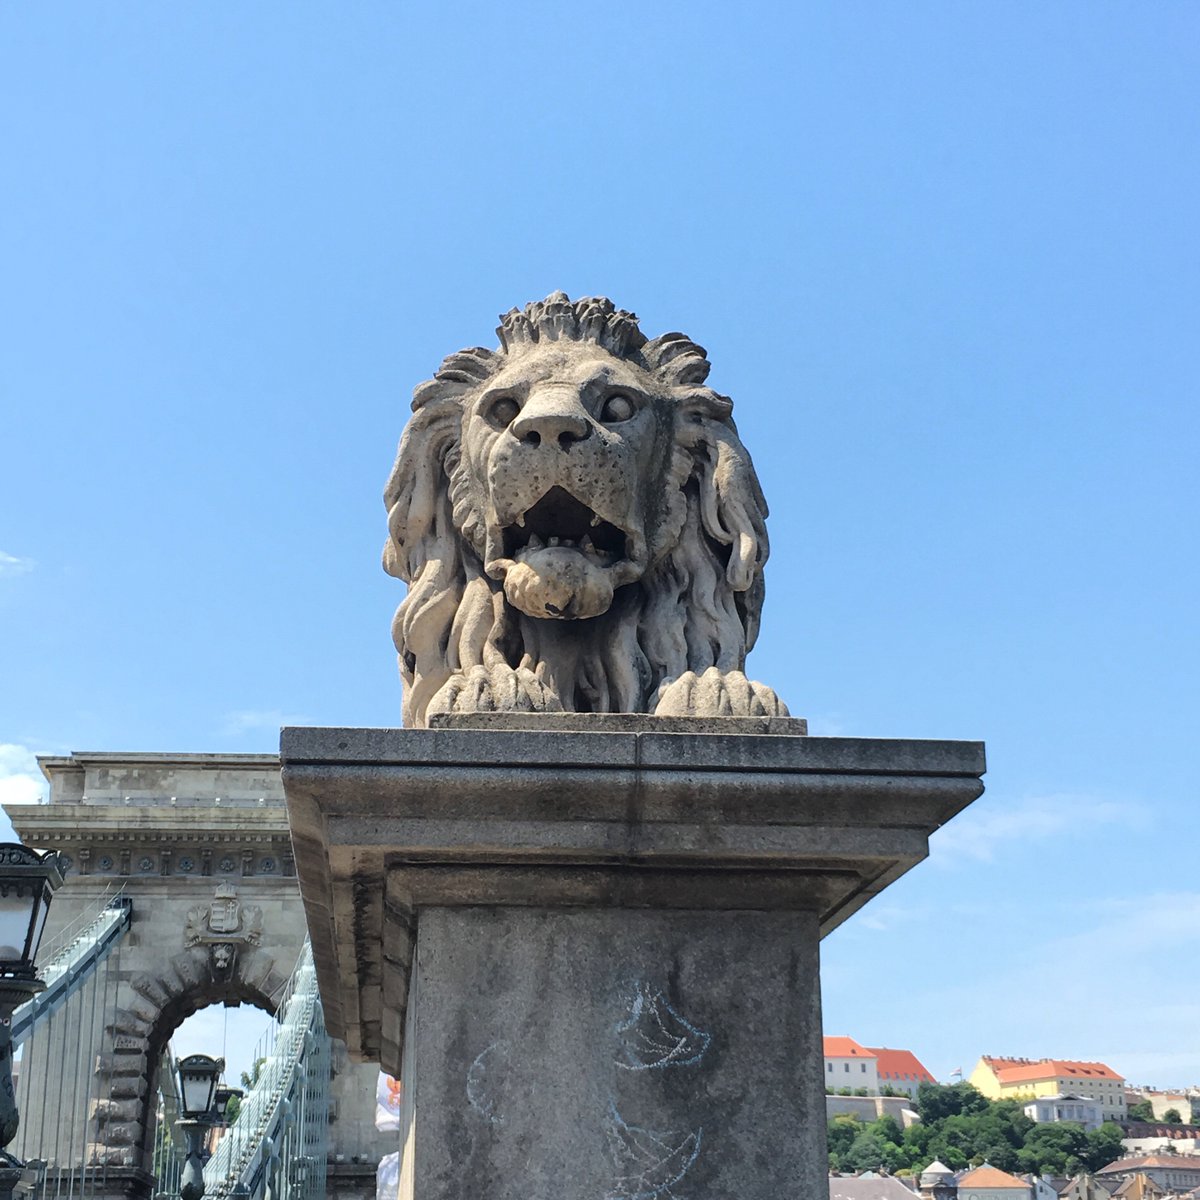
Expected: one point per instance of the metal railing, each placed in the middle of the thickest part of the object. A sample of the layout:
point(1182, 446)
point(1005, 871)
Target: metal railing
point(60, 1033)
point(90, 940)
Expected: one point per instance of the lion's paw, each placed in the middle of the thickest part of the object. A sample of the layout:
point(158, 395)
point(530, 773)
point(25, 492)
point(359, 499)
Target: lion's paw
point(717, 693)
point(494, 689)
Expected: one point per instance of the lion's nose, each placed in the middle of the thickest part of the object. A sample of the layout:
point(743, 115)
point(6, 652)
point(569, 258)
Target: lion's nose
point(552, 417)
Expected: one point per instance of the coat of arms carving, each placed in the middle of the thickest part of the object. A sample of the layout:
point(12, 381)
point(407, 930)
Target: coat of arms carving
point(224, 925)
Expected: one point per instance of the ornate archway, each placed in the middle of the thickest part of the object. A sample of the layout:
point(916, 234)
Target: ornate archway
point(223, 963)
point(201, 845)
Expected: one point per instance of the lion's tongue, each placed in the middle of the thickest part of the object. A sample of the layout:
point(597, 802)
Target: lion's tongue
point(558, 582)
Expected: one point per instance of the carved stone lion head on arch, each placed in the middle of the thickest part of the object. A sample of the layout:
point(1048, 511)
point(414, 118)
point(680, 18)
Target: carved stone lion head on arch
point(579, 525)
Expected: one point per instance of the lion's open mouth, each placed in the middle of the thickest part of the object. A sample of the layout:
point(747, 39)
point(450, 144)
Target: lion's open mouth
point(558, 519)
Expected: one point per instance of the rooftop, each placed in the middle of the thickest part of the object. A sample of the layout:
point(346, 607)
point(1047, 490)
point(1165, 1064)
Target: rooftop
point(1055, 1068)
point(988, 1176)
point(1180, 1162)
point(898, 1064)
point(845, 1047)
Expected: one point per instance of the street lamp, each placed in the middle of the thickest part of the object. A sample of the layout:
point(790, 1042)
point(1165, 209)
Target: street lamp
point(28, 880)
point(198, 1075)
point(225, 1093)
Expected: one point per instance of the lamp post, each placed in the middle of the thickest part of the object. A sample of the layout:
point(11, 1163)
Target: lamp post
point(224, 1094)
point(198, 1075)
point(28, 880)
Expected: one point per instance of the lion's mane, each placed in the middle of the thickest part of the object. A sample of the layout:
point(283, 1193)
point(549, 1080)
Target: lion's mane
point(697, 605)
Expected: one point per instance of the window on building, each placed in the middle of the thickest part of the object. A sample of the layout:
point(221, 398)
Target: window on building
point(864, 1068)
point(846, 1066)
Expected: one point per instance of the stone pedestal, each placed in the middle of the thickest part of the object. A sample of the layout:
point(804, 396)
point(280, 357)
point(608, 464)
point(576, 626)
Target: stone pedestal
point(590, 944)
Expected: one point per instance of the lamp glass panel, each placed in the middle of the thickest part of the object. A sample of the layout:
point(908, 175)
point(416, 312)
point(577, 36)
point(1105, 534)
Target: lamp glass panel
point(197, 1087)
point(15, 911)
point(39, 920)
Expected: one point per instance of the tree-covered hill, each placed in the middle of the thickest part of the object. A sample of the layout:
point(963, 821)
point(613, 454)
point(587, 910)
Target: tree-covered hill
point(961, 1127)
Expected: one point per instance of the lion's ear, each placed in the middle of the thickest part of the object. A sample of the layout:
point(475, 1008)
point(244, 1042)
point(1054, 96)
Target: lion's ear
point(733, 506)
point(416, 488)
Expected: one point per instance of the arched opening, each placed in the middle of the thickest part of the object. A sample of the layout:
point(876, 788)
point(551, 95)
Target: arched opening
point(230, 1032)
point(183, 1015)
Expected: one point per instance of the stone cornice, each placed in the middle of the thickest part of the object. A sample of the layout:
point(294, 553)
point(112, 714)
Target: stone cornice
point(89, 758)
point(388, 822)
point(113, 823)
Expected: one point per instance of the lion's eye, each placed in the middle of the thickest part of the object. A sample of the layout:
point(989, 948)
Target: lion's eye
point(504, 411)
point(617, 408)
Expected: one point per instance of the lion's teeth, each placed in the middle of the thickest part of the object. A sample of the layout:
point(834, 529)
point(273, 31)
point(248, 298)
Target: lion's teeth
point(535, 542)
point(521, 521)
point(586, 545)
point(552, 541)
point(595, 520)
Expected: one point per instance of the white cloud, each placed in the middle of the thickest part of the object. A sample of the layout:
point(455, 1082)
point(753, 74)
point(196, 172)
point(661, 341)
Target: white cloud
point(976, 833)
point(252, 720)
point(1078, 986)
point(10, 565)
point(1150, 928)
point(20, 780)
point(883, 918)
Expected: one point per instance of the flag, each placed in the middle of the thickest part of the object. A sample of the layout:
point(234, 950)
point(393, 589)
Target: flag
point(957, 1071)
point(387, 1102)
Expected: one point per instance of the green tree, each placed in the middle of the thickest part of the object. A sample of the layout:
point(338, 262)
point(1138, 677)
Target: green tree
point(936, 1100)
point(1143, 1110)
point(842, 1131)
point(232, 1109)
point(250, 1078)
point(1103, 1146)
point(960, 1126)
point(1002, 1155)
point(888, 1128)
point(869, 1152)
point(1173, 1116)
point(1055, 1148)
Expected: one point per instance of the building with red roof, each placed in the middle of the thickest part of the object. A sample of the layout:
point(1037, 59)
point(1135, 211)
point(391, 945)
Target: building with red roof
point(900, 1070)
point(850, 1065)
point(990, 1183)
point(1172, 1172)
point(1030, 1079)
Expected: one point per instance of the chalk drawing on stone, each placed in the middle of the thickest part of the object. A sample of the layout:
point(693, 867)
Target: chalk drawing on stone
point(654, 1036)
point(482, 1082)
point(648, 1165)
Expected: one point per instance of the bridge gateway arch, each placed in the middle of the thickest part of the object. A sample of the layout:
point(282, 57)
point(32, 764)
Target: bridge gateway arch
point(199, 847)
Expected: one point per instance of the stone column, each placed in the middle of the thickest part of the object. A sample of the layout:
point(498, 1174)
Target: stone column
point(589, 945)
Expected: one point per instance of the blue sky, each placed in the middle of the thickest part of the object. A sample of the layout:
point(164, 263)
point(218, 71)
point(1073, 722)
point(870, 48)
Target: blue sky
point(945, 260)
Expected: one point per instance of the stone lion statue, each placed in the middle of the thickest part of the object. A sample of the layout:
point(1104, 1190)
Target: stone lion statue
point(580, 528)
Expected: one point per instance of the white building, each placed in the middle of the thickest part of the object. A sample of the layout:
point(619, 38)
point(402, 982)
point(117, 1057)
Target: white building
point(1082, 1109)
point(849, 1065)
